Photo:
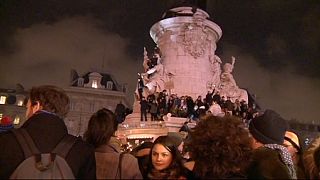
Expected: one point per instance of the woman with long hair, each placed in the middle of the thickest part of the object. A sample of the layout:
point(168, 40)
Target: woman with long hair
point(110, 162)
point(165, 160)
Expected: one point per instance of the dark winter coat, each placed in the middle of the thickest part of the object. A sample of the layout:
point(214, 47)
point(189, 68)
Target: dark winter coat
point(267, 164)
point(46, 130)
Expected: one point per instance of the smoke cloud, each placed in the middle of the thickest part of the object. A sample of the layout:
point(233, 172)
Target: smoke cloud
point(45, 54)
point(292, 96)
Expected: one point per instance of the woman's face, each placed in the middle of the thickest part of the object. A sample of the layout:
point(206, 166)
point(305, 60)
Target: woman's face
point(161, 157)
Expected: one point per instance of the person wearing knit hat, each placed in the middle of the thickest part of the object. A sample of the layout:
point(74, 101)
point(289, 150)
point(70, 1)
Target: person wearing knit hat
point(271, 160)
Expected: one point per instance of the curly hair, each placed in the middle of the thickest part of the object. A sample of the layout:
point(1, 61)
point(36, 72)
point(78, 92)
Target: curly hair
point(224, 143)
point(51, 98)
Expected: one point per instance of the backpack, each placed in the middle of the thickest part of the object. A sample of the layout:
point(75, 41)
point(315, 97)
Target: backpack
point(39, 165)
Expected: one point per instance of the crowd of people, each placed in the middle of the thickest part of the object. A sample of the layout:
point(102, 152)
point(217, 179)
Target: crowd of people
point(160, 104)
point(218, 147)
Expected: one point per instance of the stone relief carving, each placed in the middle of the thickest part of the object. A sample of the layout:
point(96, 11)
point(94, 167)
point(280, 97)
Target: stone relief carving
point(195, 40)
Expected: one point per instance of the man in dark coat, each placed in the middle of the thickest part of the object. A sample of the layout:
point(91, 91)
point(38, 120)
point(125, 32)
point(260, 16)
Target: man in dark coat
point(144, 106)
point(120, 112)
point(271, 160)
point(140, 86)
point(46, 108)
point(209, 97)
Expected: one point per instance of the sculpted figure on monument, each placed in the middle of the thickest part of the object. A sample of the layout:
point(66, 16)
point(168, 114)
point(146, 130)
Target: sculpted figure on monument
point(146, 60)
point(228, 86)
point(227, 80)
point(215, 69)
point(154, 75)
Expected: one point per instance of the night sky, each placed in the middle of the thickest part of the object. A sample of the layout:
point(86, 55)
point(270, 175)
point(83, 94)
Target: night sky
point(276, 45)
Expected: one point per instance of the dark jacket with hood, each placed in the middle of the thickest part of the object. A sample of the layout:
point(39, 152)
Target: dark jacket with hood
point(46, 130)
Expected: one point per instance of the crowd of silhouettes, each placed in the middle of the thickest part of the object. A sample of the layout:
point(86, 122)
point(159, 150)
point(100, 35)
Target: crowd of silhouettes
point(160, 104)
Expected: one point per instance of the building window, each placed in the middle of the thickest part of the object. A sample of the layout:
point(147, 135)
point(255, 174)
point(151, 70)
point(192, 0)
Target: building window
point(3, 99)
point(94, 84)
point(72, 106)
point(124, 88)
point(20, 103)
point(16, 120)
point(80, 82)
point(109, 85)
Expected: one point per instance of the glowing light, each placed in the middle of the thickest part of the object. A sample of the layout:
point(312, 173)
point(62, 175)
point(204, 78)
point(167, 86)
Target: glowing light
point(94, 84)
point(16, 120)
point(3, 99)
point(20, 103)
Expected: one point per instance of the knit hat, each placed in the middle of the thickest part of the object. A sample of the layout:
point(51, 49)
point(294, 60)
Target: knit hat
point(268, 128)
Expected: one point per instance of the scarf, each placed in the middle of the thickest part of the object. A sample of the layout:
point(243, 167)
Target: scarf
point(285, 157)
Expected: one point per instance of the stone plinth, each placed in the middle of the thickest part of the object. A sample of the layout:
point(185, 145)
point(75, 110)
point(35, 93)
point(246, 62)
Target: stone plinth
point(187, 42)
point(141, 130)
point(175, 123)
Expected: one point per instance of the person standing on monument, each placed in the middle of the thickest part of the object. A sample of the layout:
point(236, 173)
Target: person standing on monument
point(140, 85)
point(209, 96)
point(120, 112)
point(153, 109)
point(144, 106)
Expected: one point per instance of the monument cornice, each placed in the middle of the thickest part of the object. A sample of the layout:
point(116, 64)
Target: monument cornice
point(174, 25)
